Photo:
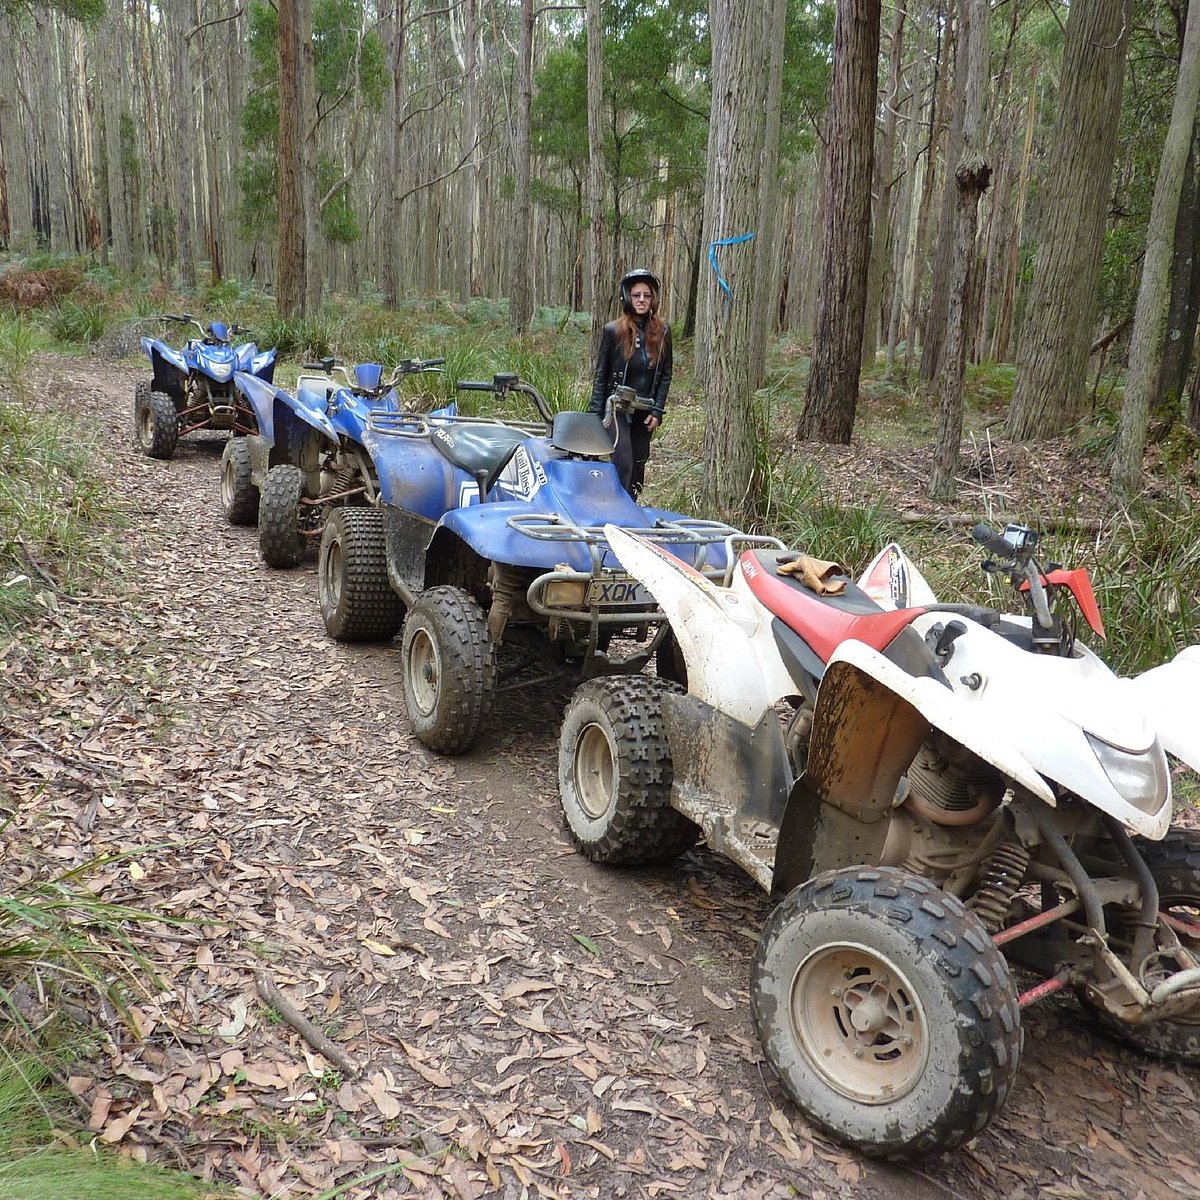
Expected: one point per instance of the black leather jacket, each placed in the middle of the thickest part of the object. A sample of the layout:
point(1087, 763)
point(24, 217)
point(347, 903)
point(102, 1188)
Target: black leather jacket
point(651, 380)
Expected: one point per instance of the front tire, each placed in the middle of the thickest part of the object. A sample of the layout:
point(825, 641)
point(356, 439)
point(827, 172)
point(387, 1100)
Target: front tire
point(356, 599)
point(886, 1011)
point(1175, 864)
point(449, 665)
point(239, 496)
point(156, 423)
point(279, 539)
point(615, 774)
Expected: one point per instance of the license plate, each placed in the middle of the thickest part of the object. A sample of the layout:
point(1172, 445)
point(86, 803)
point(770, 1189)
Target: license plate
point(613, 591)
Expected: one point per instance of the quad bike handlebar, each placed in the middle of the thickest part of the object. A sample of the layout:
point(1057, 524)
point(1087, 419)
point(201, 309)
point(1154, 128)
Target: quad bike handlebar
point(625, 400)
point(504, 382)
point(406, 366)
point(1015, 548)
point(205, 330)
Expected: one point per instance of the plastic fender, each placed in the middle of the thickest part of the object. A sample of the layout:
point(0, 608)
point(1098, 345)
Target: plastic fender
point(1167, 694)
point(1041, 705)
point(156, 348)
point(349, 415)
point(892, 580)
point(263, 365)
point(414, 477)
point(725, 638)
point(261, 397)
point(943, 709)
point(485, 528)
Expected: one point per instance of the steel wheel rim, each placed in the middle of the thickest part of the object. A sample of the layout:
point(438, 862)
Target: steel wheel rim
point(331, 576)
point(1186, 908)
point(859, 1023)
point(146, 425)
point(424, 672)
point(595, 771)
point(227, 483)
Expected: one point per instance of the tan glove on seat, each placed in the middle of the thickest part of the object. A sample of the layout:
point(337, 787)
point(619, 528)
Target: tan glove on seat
point(815, 573)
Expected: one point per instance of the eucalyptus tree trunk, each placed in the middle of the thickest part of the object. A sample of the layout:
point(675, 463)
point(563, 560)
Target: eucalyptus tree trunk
point(393, 182)
point(314, 243)
point(1002, 332)
point(971, 176)
point(1154, 295)
point(1056, 334)
point(943, 250)
point(113, 99)
point(831, 396)
point(937, 105)
point(290, 291)
point(1185, 300)
point(766, 282)
point(601, 284)
point(882, 223)
point(904, 222)
point(732, 206)
point(181, 110)
point(520, 281)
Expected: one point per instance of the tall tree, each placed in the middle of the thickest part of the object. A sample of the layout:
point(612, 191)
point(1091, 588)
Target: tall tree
point(598, 273)
point(1057, 330)
point(520, 289)
point(971, 177)
point(740, 61)
point(1154, 295)
point(290, 289)
point(831, 396)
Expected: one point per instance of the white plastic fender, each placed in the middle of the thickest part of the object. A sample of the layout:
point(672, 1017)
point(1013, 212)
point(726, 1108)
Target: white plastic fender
point(944, 710)
point(1041, 705)
point(1167, 694)
point(892, 580)
point(725, 638)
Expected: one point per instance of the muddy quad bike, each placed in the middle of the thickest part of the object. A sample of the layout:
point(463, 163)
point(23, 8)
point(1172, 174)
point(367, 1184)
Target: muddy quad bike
point(192, 388)
point(953, 789)
point(308, 456)
point(489, 534)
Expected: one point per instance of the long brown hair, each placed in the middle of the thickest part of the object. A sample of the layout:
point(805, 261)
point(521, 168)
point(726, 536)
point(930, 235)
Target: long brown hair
point(655, 331)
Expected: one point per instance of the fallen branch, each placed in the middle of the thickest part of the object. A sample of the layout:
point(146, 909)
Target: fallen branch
point(1044, 524)
point(304, 1027)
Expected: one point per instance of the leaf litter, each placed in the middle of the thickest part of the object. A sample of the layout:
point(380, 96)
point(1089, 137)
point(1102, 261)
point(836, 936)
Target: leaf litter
point(529, 1024)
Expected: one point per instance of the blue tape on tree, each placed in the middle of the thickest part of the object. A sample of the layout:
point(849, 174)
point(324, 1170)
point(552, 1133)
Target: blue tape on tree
point(712, 258)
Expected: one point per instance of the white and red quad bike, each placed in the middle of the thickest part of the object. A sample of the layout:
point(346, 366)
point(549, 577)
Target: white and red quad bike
point(933, 792)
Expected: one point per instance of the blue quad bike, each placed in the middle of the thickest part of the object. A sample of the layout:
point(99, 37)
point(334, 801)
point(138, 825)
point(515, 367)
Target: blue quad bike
point(489, 533)
point(307, 456)
point(192, 388)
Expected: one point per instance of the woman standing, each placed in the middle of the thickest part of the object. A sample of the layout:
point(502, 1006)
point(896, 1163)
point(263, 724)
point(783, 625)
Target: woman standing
point(635, 351)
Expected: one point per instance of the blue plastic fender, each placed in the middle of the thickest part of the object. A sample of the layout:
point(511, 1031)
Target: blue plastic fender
point(158, 349)
point(308, 406)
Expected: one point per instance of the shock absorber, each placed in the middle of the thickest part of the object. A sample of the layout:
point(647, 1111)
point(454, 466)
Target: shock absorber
point(999, 878)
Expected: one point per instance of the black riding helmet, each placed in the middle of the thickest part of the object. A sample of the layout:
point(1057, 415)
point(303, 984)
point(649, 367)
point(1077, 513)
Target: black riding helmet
point(638, 275)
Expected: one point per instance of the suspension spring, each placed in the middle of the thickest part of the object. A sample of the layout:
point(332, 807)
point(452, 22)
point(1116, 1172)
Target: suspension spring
point(999, 878)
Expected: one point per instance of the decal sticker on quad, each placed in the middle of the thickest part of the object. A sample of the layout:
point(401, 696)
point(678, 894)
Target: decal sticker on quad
point(523, 477)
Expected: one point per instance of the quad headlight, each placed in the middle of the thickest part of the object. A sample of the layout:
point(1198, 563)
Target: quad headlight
point(1141, 778)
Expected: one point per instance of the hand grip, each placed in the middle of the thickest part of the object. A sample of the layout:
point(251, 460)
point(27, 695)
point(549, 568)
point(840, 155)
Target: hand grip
point(474, 385)
point(993, 542)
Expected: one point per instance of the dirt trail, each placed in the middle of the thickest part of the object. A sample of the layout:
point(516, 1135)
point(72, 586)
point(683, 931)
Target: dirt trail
point(528, 1024)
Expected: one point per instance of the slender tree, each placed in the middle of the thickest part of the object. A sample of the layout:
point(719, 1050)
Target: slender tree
point(831, 396)
point(520, 273)
point(971, 177)
point(601, 284)
point(1061, 308)
point(740, 66)
point(1154, 295)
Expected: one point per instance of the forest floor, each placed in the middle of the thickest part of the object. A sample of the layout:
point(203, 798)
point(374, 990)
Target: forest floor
point(526, 1023)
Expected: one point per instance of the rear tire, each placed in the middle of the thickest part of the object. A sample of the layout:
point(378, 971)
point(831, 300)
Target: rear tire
point(886, 1011)
point(156, 422)
point(279, 539)
point(449, 664)
point(1175, 864)
point(356, 599)
point(239, 496)
point(615, 774)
